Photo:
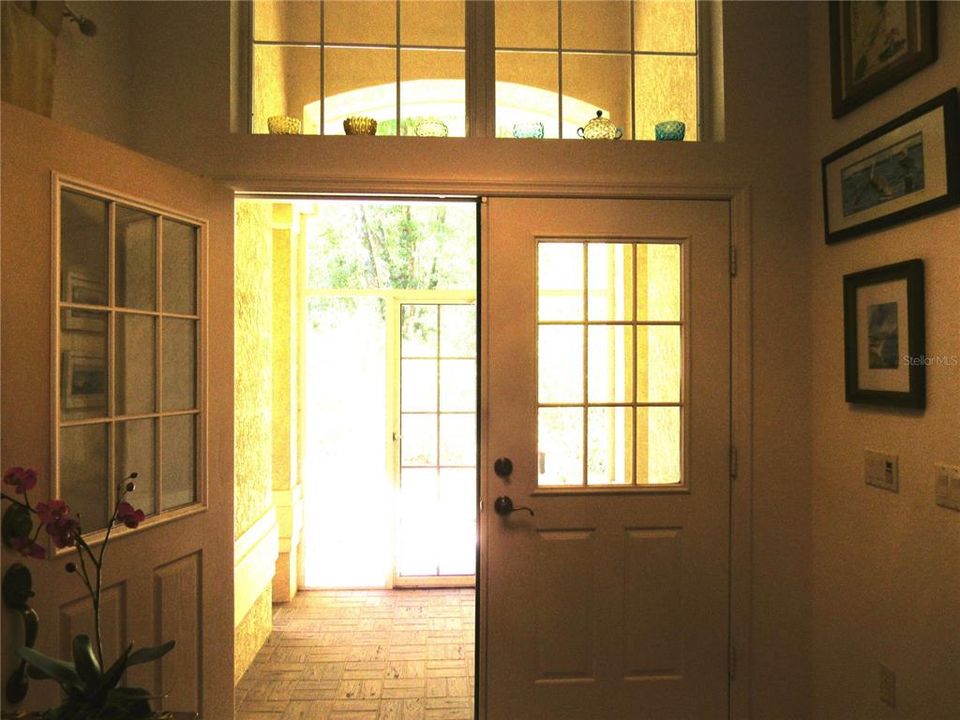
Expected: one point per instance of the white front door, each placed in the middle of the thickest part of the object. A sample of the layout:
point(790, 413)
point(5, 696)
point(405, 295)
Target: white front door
point(607, 363)
point(120, 360)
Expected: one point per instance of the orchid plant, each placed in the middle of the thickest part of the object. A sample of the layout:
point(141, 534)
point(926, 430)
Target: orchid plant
point(91, 687)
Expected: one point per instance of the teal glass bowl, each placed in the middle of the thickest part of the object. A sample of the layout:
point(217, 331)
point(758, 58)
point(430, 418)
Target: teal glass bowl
point(528, 130)
point(669, 130)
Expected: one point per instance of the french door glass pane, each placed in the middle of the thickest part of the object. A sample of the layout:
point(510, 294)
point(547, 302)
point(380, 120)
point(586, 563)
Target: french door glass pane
point(419, 434)
point(178, 453)
point(418, 331)
point(458, 439)
point(179, 364)
point(136, 263)
point(418, 385)
point(458, 385)
point(84, 371)
point(609, 445)
point(83, 249)
point(659, 363)
point(610, 281)
point(610, 369)
point(560, 281)
point(83, 473)
point(560, 363)
point(136, 359)
point(458, 331)
point(658, 282)
point(179, 267)
point(136, 445)
point(419, 513)
point(658, 445)
point(560, 446)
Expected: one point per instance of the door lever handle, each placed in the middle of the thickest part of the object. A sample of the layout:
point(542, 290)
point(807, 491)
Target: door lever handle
point(503, 505)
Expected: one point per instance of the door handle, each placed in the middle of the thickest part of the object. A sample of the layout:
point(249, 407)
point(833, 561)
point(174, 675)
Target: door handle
point(503, 505)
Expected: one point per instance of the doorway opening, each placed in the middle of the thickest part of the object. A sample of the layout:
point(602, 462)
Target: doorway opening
point(382, 421)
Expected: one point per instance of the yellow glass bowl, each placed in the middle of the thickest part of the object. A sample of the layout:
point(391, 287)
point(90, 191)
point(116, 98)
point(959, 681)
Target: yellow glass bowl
point(284, 125)
point(360, 126)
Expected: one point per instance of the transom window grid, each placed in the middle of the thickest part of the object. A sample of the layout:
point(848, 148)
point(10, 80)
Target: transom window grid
point(344, 39)
point(121, 406)
point(632, 411)
point(638, 61)
point(451, 410)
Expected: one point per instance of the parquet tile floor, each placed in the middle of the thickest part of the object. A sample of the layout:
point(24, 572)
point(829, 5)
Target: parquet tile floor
point(365, 655)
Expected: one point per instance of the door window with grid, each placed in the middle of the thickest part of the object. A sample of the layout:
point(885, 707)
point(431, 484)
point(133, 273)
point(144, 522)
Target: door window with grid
point(609, 363)
point(128, 363)
point(405, 63)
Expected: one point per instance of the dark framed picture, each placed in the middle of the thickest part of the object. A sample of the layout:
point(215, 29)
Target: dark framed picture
point(84, 381)
point(884, 336)
point(875, 45)
point(905, 169)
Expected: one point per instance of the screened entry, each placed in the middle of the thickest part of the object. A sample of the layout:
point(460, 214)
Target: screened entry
point(384, 330)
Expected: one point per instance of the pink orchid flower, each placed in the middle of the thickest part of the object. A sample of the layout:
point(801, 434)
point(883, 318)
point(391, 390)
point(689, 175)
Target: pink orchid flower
point(128, 515)
point(23, 479)
point(28, 548)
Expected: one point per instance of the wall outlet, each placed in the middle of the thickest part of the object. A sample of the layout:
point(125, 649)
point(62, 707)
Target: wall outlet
point(888, 686)
point(881, 470)
point(944, 493)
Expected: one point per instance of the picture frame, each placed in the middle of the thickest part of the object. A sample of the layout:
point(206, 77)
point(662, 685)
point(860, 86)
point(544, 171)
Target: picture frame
point(83, 381)
point(83, 290)
point(903, 170)
point(874, 46)
point(884, 336)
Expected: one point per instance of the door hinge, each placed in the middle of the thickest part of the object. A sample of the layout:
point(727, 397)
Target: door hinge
point(733, 261)
point(732, 669)
point(734, 461)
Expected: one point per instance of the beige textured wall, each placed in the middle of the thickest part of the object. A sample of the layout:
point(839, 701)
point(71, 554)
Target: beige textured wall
point(94, 75)
point(253, 398)
point(886, 567)
point(182, 70)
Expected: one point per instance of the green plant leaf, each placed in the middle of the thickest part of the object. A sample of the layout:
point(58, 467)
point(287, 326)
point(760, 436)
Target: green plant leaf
point(149, 654)
point(85, 661)
point(17, 522)
point(51, 668)
point(112, 675)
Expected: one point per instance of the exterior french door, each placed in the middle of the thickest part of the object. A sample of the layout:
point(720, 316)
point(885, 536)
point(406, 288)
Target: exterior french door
point(435, 441)
point(605, 572)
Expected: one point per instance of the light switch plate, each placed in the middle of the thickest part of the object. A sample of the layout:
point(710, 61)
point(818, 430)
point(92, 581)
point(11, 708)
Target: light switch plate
point(953, 497)
point(941, 479)
point(881, 470)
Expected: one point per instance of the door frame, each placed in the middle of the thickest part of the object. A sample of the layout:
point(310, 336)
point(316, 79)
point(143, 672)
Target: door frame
point(739, 200)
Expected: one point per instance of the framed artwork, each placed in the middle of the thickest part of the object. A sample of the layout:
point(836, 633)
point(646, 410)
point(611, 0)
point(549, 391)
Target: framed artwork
point(905, 169)
point(84, 381)
point(875, 45)
point(883, 336)
point(85, 291)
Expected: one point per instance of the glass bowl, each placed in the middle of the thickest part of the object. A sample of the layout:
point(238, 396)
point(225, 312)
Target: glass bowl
point(284, 125)
point(358, 125)
point(669, 130)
